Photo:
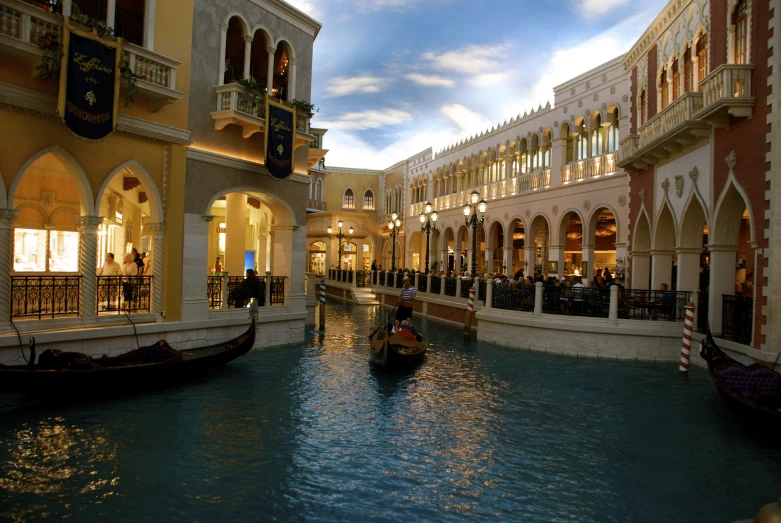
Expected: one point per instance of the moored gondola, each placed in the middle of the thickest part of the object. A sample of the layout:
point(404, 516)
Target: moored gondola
point(73, 374)
point(753, 391)
point(392, 351)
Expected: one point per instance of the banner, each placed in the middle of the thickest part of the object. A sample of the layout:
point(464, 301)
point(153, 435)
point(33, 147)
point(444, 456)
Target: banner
point(280, 138)
point(89, 83)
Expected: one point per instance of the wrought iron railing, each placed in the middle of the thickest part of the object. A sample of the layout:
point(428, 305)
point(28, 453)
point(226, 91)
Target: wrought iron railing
point(399, 281)
point(466, 284)
point(576, 301)
point(44, 296)
point(422, 283)
point(436, 285)
point(382, 278)
point(349, 276)
point(241, 290)
point(737, 318)
point(118, 294)
point(482, 289)
point(214, 291)
point(450, 286)
point(702, 312)
point(513, 297)
point(653, 305)
point(278, 290)
point(361, 278)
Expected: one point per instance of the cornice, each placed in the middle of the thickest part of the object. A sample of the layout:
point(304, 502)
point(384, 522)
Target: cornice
point(291, 15)
point(44, 105)
point(351, 170)
point(201, 155)
point(662, 21)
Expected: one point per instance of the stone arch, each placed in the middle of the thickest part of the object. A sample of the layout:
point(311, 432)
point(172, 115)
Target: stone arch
point(489, 239)
point(693, 220)
point(245, 25)
point(665, 224)
point(535, 221)
point(590, 231)
point(71, 165)
point(3, 195)
point(728, 212)
point(283, 214)
point(290, 49)
point(641, 237)
point(564, 130)
point(149, 185)
point(269, 40)
point(71, 221)
point(34, 207)
point(564, 221)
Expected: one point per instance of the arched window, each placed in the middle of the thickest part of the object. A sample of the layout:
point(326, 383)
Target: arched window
point(641, 110)
point(702, 58)
point(665, 89)
point(613, 134)
point(319, 190)
point(368, 200)
point(688, 71)
point(348, 200)
point(234, 51)
point(740, 28)
point(597, 137)
point(676, 79)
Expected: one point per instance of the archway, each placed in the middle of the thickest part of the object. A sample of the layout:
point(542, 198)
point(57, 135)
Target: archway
point(571, 236)
point(448, 251)
point(416, 251)
point(693, 257)
point(317, 254)
point(259, 57)
point(234, 50)
point(603, 234)
point(386, 255)
point(641, 253)
point(462, 249)
point(280, 88)
point(514, 243)
point(663, 260)
point(537, 246)
point(494, 249)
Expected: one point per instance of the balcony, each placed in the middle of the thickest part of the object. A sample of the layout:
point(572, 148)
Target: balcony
point(516, 185)
point(589, 168)
point(628, 158)
point(674, 130)
point(386, 218)
point(315, 206)
point(727, 92)
point(21, 24)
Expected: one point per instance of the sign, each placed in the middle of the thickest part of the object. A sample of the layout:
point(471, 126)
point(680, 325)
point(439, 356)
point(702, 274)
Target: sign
point(280, 138)
point(89, 83)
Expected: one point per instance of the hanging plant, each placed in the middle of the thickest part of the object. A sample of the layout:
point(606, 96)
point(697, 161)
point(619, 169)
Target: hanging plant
point(304, 106)
point(127, 74)
point(100, 26)
point(255, 91)
point(52, 58)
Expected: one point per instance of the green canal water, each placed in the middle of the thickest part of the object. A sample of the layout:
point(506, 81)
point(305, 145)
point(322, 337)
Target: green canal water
point(309, 432)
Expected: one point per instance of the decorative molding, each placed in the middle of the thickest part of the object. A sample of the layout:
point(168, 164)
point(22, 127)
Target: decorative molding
point(625, 98)
point(732, 160)
point(586, 205)
point(643, 194)
point(201, 155)
point(678, 185)
point(666, 185)
point(621, 200)
point(507, 216)
point(555, 209)
point(291, 15)
point(350, 170)
point(694, 174)
point(528, 212)
point(88, 224)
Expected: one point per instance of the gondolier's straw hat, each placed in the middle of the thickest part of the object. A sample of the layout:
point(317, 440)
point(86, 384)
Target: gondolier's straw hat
point(405, 279)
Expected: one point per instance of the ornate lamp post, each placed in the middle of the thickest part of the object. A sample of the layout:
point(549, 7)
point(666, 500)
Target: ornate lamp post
point(428, 222)
point(393, 227)
point(340, 236)
point(471, 219)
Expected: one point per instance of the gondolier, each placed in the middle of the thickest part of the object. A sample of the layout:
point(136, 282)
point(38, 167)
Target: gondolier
point(406, 300)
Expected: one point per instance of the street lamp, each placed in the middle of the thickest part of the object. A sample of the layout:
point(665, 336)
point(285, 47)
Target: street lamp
point(340, 236)
point(393, 227)
point(428, 222)
point(471, 218)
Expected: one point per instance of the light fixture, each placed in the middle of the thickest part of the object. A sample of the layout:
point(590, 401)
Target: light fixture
point(340, 223)
point(475, 197)
point(390, 226)
point(422, 218)
point(429, 207)
point(330, 230)
point(482, 206)
point(434, 216)
point(398, 223)
point(467, 211)
point(351, 231)
point(394, 216)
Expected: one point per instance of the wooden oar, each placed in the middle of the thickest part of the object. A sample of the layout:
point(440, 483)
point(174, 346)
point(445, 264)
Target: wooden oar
point(386, 322)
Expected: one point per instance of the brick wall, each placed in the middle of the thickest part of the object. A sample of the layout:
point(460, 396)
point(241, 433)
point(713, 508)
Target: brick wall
point(651, 94)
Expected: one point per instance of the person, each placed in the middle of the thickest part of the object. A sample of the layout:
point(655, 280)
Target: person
point(607, 276)
point(407, 299)
point(129, 269)
point(405, 333)
point(250, 288)
point(599, 281)
point(396, 326)
point(217, 266)
point(748, 286)
point(666, 302)
point(138, 261)
point(578, 293)
point(110, 267)
point(413, 330)
point(374, 265)
point(518, 276)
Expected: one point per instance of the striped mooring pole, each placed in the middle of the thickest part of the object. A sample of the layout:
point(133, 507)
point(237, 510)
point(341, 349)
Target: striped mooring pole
point(470, 312)
point(322, 303)
point(687, 338)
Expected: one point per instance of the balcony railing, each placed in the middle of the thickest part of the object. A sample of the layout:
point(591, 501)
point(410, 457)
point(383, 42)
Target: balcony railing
point(523, 183)
point(727, 90)
point(277, 290)
point(653, 305)
point(315, 205)
point(589, 168)
point(386, 218)
point(236, 106)
point(214, 291)
point(436, 285)
point(118, 294)
point(21, 24)
point(44, 296)
point(302, 123)
point(242, 290)
point(450, 286)
point(533, 181)
point(416, 209)
point(628, 149)
point(737, 318)
point(678, 116)
point(513, 297)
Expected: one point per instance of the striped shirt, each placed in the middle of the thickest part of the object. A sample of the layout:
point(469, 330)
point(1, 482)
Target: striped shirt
point(406, 295)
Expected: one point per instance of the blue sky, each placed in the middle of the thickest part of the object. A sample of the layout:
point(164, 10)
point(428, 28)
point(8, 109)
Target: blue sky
point(393, 77)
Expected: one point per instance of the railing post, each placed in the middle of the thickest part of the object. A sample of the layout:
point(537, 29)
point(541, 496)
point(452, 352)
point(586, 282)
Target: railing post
point(696, 302)
point(538, 298)
point(6, 220)
point(394, 279)
point(613, 311)
point(417, 274)
point(267, 296)
point(458, 287)
point(428, 283)
point(443, 282)
point(355, 279)
point(224, 289)
point(489, 293)
point(88, 263)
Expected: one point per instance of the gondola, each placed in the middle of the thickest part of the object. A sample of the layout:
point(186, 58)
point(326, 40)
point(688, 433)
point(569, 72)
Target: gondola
point(72, 373)
point(753, 391)
point(393, 352)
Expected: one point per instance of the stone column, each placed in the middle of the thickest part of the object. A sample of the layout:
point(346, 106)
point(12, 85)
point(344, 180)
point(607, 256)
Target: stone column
point(688, 268)
point(613, 312)
point(722, 281)
point(507, 256)
point(641, 270)
point(67, 7)
point(157, 232)
point(587, 251)
point(457, 263)
point(538, 298)
point(223, 44)
point(442, 285)
point(556, 253)
point(291, 79)
point(6, 228)
point(489, 293)
point(247, 56)
point(558, 160)
point(111, 10)
point(270, 73)
point(235, 232)
point(459, 281)
point(195, 301)
point(662, 269)
point(267, 290)
point(529, 256)
point(443, 259)
point(416, 281)
point(489, 260)
point(88, 263)
point(289, 253)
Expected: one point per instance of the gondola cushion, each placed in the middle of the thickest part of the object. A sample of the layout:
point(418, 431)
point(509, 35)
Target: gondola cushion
point(156, 353)
point(758, 382)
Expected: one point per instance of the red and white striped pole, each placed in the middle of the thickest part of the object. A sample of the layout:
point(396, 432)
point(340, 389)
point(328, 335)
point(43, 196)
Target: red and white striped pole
point(470, 312)
point(687, 338)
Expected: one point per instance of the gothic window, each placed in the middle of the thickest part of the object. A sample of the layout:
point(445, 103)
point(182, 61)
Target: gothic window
point(688, 71)
point(348, 200)
point(740, 24)
point(702, 57)
point(368, 200)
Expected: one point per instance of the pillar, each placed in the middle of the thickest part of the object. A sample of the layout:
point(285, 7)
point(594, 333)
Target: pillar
point(507, 259)
point(613, 311)
point(489, 293)
point(289, 253)
point(443, 260)
point(529, 256)
point(587, 251)
point(195, 302)
point(688, 269)
point(459, 281)
point(457, 263)
point(88, 263)
point(223, 44)
point(641, 270)
point(556, 254)
point(67, 6)
point(538, 298)
point(291, 79)
point(662, 268)
point(442, 285)
point(270, 73)
point(469, 261)
point(6, 239)
point(558, 160)
point(247, 56)
point(111, 10)
point(235, 232)
point(489, 260)
point(722, 281)
point(157, 232)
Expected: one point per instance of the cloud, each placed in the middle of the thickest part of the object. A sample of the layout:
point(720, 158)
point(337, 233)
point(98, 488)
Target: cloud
point(591, 9)
point(468, 121)
point(377, 5)
point(347, 149)
point(430, 80)
point(371, 119)
point(489, 79)
point(470, 59)
point(306, 7)
point(345, 85)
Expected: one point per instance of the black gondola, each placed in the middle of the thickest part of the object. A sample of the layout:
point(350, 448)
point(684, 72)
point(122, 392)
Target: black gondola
point(392, 351)
point(70, 373)
point(753, 391)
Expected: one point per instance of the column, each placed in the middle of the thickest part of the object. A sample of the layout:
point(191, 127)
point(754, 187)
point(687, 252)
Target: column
point(528, 256)
point(291, 79)
point(6, 239)
point(195, 301)
point(88, 263)
point(267, 290)
point(588, 261)
point(442, 285)
point(247, 56)
point(613, 311)
point(641, 270)
point(507, 257)
point(111, 10)
point(157, 232)
point(235, 232)
point(556, 253)
point(688, 269)
point(662, 269)
point(489, 260)
point(722, 281)
point(489, 293)
point(443, 259)
point(457, 262)
point(459, 282)
point(67, 6)
point(558, 160)
point(538, 298)
point(223, 43)
point(289, 253)
point(270, 73)
point(469, 260)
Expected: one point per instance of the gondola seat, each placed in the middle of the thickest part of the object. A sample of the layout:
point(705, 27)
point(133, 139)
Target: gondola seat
point(161, 351)
point(757, 382)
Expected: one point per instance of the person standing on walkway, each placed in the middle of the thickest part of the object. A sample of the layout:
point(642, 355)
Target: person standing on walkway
point(406, 300)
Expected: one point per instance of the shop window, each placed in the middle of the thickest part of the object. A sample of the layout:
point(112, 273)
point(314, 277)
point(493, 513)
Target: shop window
point(31, 254)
